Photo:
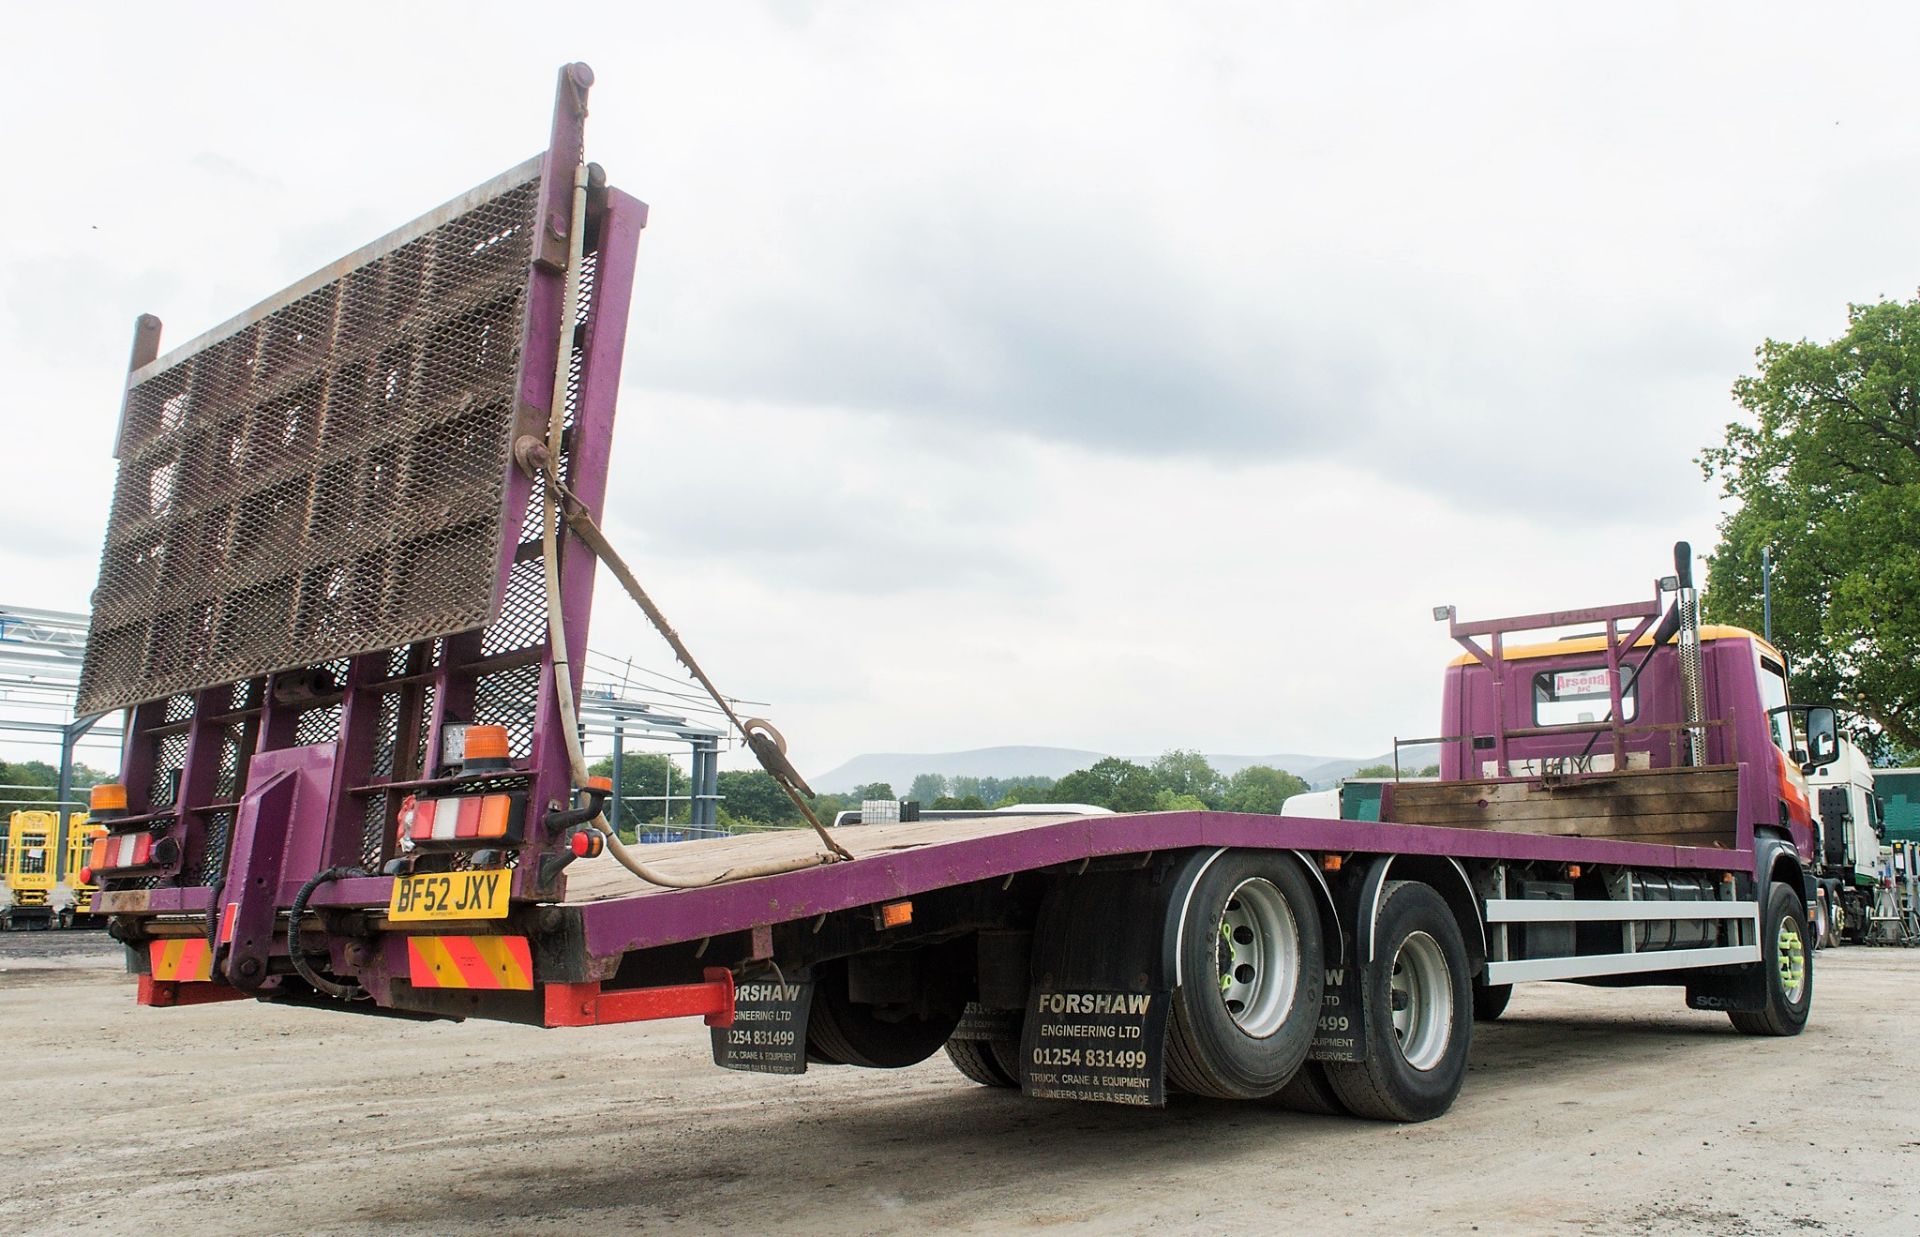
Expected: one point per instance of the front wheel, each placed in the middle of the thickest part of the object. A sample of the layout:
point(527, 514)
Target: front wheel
point(1419, 1000)
point(1786, 959)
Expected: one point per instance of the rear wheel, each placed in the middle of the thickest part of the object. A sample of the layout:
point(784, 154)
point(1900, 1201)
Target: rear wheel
point(841, 1031)
point(1419, 1001)
point(1251, 978)
point(989, 1062)
point(1786, 959)
point(1856, 921)
point(1310, 1091)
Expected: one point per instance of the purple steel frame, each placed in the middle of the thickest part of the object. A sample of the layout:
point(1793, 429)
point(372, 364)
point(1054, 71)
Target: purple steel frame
point(264, 787)
point(1495, 662)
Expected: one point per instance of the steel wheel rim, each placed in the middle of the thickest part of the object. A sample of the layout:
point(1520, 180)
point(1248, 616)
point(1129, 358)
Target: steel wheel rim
point(1791, 952)
point(1257, 957)
point(1422, 994)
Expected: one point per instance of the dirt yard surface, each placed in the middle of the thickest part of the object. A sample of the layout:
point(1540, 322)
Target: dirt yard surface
point(1587, 1111)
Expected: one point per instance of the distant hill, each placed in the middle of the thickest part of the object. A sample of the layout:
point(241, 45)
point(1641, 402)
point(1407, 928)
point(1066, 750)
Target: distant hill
point(898, 769)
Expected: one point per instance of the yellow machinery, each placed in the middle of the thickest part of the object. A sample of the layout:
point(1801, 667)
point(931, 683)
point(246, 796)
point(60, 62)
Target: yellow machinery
point(80, 835)
point(27, 899)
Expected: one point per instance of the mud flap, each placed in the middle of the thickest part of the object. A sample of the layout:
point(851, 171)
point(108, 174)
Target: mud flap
point(769, 1031)
point(1341, 1034)
point(1744, 993)
point(1103, 977)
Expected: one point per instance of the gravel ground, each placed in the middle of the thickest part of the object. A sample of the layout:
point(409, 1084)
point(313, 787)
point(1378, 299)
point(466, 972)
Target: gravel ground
point(1587, 1111)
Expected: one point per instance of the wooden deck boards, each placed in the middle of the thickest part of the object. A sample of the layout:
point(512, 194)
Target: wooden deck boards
point(708, 859)
point(1689, 807)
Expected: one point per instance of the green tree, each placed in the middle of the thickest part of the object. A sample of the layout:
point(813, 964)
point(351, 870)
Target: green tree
point(1825, 467)
point(1381, 770)
point(874, 790)
point(1182, 772)
point(38, 773)
point(826, 807)
point(927, 787)
point(1022, 791)
point(1261, 788)
point(644, 779)
point(1165, 800)
point(753, 795)
point(1114, 783)
point(970, 803)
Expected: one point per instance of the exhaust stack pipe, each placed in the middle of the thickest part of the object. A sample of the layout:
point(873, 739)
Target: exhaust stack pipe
point(1687, 605)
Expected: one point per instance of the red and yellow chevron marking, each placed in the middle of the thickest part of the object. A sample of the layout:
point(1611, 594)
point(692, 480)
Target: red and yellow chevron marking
point(182, 961)
point(470, 962)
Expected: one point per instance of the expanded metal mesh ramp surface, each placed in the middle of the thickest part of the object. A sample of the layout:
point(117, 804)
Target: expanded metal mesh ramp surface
point(325, 474)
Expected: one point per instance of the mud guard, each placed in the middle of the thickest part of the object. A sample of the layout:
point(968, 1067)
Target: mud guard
point(1743, 989)
point(1341, 1034)
point(1104, 970)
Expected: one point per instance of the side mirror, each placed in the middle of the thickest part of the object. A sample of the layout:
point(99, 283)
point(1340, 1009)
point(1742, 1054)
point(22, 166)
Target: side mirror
point(1823, 739)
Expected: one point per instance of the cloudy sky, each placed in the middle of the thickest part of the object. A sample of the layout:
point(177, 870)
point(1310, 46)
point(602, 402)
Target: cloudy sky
point(1112, 376)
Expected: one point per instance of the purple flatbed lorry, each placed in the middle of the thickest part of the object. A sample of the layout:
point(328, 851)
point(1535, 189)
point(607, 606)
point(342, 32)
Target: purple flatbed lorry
point(328, 607)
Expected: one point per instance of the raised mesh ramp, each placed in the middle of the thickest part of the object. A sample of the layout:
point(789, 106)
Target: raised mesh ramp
point(324, 475)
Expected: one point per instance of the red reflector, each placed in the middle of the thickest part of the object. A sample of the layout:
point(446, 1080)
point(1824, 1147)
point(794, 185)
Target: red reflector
point(142, 849)
point(493, 816)
point(468, 826)
point(86, 876)
point(586, 844)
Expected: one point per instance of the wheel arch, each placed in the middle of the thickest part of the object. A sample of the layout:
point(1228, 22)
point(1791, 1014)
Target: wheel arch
point(1332, 930)
point(1447, 877)
point(1779, 861)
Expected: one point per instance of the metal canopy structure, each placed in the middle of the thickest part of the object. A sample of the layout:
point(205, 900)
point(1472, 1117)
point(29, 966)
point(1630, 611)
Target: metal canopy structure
point(608, 712)
point(41, 652)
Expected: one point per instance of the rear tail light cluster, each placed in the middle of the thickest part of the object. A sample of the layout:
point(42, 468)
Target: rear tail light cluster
point(111, 853)
point(463, 819)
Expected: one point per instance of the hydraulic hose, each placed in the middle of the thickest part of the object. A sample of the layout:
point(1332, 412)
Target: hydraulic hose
point(297, 912)
point(555, 495)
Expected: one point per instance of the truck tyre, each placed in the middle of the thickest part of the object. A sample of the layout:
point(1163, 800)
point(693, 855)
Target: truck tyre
point(1419, 1002)
point(1309, 1091)
point(878, 1037)
point(1251, 977)
point(1786, 960)
point(1856, 921)
point(989, 1062)
point(1490, 1000)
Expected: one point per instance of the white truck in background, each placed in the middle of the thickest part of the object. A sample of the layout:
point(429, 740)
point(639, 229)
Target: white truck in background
point(1851, 849)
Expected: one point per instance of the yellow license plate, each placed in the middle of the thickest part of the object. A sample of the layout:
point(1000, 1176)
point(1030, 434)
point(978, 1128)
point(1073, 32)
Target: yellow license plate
point(450, 895)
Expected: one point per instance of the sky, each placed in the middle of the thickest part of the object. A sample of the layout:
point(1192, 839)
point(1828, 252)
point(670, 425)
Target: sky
point(1110, 376)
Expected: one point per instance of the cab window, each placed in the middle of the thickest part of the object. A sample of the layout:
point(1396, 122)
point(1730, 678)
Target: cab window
point(1563, 697)
point(1773, 695)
